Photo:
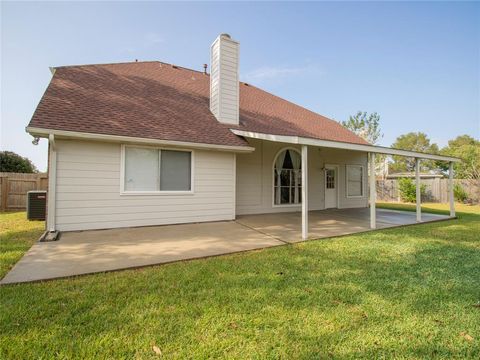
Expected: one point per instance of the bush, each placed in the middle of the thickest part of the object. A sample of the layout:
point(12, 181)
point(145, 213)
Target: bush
point(459, 193)
point(408, 192)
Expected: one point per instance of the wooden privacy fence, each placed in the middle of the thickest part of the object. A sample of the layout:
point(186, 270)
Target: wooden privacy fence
point(14, 188)
point(436, 190)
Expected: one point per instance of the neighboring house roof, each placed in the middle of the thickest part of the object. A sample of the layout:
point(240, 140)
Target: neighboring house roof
point(412, 175)
point(154, 100)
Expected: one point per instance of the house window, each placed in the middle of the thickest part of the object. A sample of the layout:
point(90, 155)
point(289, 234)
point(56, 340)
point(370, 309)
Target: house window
point(330, 178)
point(354, 181)
point(156, 170)
point(287, 176)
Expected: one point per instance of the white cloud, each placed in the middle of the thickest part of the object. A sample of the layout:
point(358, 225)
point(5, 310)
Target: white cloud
point(129, 50)
point(152, 38)
point(279, 72)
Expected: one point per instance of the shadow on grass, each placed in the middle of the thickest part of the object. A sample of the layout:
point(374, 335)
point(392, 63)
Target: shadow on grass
point(13, 245)
point(406, 292)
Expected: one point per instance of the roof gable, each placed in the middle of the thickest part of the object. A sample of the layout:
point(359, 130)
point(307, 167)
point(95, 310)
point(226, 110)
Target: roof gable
point(155, 100)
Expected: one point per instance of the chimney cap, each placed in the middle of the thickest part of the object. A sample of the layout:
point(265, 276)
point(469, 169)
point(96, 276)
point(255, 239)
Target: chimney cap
point(225, 35)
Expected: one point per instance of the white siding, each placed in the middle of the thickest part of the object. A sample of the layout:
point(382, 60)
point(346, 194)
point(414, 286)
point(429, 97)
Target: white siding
point(255, 171)
point(224, 80)
point(88, 190)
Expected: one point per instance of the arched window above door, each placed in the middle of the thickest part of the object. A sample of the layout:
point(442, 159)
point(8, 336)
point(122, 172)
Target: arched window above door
point(287, 175)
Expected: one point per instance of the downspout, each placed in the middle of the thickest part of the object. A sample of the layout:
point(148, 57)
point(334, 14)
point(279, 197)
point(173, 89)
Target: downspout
point(52, 182)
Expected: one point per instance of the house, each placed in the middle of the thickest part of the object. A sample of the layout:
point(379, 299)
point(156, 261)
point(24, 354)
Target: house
point(149, 143)
point(411, 175)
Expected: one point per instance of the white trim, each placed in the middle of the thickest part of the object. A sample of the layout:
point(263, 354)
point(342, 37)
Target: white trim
point(346, 182)
point(373, 191)
point(304, 192)
point(52, 182)
point(418, 193)
point(117, 138)
point(450, 188)
point(337, 184)
point(341, 145)
point(273, 178)
point(159, 192)
point(234, 215)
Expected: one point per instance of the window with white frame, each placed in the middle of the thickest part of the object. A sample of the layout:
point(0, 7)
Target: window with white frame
point(354, 176)
point(157, 170)
point(287, 175)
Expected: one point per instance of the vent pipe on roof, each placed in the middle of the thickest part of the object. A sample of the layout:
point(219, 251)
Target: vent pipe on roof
point(224, 79)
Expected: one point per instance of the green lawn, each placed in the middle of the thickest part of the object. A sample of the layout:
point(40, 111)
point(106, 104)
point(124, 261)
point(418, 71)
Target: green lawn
point(17, 235)
point(409, 292)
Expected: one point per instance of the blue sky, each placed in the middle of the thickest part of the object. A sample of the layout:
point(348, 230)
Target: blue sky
point(416, 64)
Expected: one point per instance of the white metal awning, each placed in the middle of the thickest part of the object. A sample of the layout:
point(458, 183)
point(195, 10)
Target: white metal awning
point(342, 145)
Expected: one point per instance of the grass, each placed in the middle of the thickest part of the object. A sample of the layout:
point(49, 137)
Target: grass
point(410, 292)
point(17, 235)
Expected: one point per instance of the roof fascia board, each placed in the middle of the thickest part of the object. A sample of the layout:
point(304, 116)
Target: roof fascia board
point(40, 132)
point(342, 145)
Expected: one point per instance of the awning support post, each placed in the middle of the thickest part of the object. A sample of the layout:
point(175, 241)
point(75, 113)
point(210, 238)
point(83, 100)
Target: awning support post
point(450, 189)
point(418, 195)
point(304, 192)
point(373, 192)
point(52, 177)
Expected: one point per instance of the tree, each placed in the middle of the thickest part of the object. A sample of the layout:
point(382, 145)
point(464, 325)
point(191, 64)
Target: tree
point(11, 162)
point(415, 142)
point(365, 126)
point(468, 149)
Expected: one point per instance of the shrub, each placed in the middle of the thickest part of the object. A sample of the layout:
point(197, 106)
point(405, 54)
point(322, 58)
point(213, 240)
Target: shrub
point(459, 193)
point(408, 192)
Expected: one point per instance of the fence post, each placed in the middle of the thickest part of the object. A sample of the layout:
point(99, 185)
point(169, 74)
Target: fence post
point(4, 193)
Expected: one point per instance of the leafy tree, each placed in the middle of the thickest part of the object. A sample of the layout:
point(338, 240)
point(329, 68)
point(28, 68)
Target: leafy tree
point(415, 142)
point(11, 162)
point(365, 126)
point(468, 149)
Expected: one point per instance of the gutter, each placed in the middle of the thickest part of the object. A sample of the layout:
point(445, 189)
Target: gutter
point(41, 132)
point(342, 145)
point(52, 177)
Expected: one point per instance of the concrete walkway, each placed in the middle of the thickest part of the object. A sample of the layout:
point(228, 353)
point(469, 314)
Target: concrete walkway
point(85, 252)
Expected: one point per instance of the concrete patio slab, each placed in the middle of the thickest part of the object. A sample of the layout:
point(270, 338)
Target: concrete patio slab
point(85, 252)
point(327, 223)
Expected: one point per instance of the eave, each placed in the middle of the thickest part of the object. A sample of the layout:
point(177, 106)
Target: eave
point(59, 134)
point(342, 145)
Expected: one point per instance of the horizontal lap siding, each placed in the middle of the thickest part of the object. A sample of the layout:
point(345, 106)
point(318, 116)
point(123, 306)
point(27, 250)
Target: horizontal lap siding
point(342, 158)
point(88, 190)
point(255, 171)
point(228, 77)
point(255, 183)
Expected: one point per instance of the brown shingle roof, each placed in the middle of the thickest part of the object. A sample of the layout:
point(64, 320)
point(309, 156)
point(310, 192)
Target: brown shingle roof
point(159, 101)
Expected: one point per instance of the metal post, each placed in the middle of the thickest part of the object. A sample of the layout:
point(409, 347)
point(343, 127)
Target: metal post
point(418, 188)
point(304, 192)
point(373, 192)
point(450, 189)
